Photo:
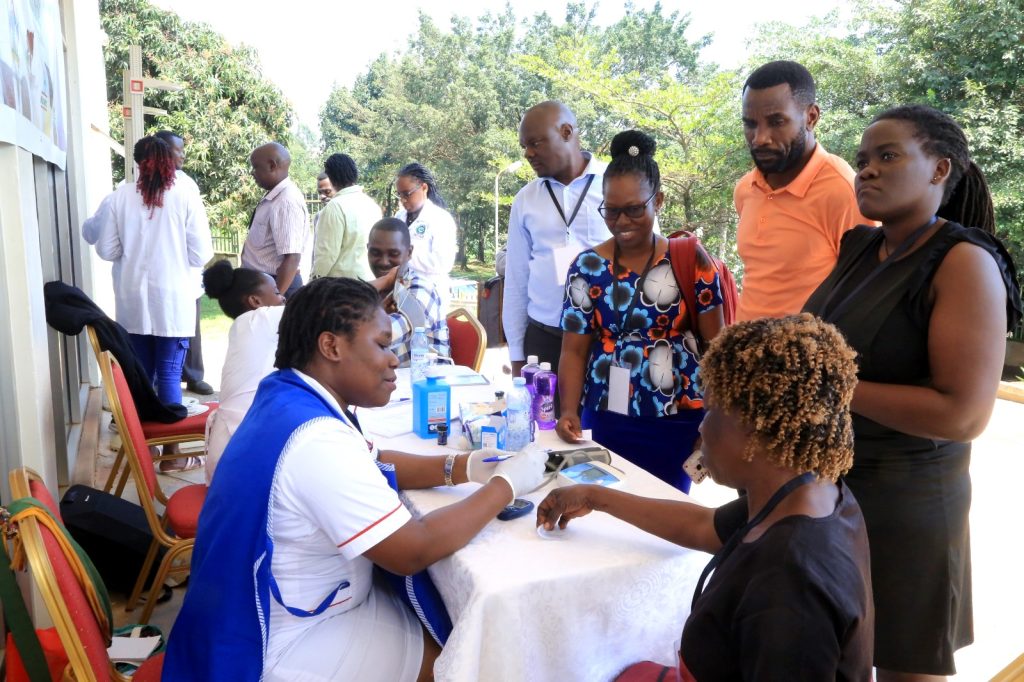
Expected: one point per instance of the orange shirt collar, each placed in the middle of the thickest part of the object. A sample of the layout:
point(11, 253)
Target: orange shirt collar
point(801, 183)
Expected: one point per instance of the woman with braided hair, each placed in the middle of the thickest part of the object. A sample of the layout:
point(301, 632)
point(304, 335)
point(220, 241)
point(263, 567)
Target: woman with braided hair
point(926, 303)
point(155, 231)
point(431, 227)
point(790, 596)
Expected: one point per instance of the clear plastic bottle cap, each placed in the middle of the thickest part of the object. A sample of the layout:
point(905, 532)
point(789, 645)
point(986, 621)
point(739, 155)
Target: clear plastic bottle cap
point(531, 359)
point(545, 366)
point(519, 381)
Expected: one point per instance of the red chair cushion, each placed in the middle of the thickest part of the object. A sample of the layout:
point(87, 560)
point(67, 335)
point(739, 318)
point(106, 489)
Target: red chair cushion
point(183, 509)
point(187, 426)
point(150, 670)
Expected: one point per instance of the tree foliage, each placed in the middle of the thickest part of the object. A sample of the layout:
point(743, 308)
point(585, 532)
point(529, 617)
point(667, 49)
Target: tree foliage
point(453, 100)
point(226, 109)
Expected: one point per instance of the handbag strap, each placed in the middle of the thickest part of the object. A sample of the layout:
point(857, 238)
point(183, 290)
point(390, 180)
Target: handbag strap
point(16, 613)
point(683, 253)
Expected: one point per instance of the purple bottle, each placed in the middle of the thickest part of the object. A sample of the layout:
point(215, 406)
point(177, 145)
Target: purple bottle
point(529, 371)
point(545, 385)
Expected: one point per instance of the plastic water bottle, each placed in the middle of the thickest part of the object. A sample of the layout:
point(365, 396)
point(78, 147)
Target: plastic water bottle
point(545, 387)
point(418, 347)
point(431, 404)
point(517, 416)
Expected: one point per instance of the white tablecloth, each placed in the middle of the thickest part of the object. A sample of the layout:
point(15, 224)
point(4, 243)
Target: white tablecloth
point(525, 608)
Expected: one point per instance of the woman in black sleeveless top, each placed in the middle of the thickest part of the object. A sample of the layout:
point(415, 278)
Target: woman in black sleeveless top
point(926, 303)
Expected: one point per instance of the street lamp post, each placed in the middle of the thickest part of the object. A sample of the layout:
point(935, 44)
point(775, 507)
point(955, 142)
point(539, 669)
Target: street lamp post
point(511, 168)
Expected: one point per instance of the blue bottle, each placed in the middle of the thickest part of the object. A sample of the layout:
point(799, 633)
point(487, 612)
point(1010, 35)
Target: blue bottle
point(518, 426)
point(431, 404)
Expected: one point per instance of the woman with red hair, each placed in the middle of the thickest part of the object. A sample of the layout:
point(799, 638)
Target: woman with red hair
point(155, 231)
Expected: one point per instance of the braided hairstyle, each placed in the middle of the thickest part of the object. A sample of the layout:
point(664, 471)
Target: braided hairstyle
point(156, 170)
point(420, 172)
point(230, 286)
point(328, 304)
point(641, 163)
point(790, 380)
point(341, 170)
point(966, 198)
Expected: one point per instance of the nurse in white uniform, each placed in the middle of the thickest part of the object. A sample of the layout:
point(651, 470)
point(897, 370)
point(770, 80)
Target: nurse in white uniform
point(431, 227)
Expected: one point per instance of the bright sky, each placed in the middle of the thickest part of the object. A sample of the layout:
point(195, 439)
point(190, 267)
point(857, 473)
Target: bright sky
point(306, 47)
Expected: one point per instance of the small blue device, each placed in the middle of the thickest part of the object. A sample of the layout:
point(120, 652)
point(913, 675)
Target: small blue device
point(515, 510)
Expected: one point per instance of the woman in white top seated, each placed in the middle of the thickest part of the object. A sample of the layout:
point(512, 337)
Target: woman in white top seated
point(301, 509)
point(155, 231)
point(431, 227)
point(251, 299)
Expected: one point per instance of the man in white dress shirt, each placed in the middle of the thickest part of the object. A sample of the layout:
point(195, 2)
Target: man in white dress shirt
point(552, 219)
point(279, 235)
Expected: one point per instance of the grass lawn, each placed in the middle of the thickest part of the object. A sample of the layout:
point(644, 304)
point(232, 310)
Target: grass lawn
point(475, 270)
point(215, 322)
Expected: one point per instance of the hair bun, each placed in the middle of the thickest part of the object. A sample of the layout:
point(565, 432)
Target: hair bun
point(633, 143)
point(218, 278)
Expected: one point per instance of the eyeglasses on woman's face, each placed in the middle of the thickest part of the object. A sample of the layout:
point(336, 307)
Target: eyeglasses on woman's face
point(634, 212)
point(409, 192)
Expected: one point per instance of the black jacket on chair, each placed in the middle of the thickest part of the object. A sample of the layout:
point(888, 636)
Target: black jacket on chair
point(69, 310)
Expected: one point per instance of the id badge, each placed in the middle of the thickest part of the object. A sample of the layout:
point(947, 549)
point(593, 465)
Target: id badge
point(564, 257)
point(618, 388)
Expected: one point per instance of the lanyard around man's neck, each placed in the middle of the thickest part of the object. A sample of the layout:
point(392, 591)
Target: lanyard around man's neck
point(579, 202)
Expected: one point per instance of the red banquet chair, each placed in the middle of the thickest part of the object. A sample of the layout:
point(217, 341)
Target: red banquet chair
point(175, 529)
point(25, 482)
point(82, 634)
point(467, 338)
point(157, 433)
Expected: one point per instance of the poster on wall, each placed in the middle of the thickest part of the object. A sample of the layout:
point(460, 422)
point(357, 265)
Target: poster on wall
point(33, 111)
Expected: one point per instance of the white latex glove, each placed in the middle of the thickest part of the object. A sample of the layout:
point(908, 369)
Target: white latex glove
point(479, 471)
point(524, 471)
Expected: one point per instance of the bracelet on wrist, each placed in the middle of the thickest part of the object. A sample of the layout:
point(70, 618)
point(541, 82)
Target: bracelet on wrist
point(449, 465)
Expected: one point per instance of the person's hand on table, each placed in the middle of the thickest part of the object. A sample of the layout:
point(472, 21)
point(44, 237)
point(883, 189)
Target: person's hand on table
point(479, 471)
point(569, 428)
point(564, 504)
point(523, 472)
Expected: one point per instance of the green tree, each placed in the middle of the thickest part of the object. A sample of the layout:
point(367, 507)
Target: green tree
point(226, 109)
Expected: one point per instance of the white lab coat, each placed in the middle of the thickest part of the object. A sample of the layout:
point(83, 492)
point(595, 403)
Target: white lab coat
point(434, 246)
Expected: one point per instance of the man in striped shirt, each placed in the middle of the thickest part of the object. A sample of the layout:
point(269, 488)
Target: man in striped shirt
point(411, 300)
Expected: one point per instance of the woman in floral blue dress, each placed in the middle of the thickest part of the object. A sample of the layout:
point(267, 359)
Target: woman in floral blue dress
point(625, 370)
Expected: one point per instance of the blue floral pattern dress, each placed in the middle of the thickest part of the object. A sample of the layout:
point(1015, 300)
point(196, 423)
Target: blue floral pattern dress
point(663, 377)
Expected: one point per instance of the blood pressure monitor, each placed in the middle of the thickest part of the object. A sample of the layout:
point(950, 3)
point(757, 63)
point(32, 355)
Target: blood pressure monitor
point(592, 473)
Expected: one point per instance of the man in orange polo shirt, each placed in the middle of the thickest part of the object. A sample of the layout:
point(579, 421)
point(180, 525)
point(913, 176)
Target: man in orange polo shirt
point(797, 202)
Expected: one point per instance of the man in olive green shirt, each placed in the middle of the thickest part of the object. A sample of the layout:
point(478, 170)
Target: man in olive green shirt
point(339, 244)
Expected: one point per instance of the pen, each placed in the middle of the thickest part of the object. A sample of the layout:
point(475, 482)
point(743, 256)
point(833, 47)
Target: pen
point(497, 458)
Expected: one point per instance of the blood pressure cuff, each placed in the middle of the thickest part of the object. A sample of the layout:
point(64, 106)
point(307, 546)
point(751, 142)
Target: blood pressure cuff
point(418, 591)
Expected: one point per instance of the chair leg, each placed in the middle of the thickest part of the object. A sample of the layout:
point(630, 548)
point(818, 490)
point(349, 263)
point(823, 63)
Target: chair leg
point(161, 575)
point(118, 461)
point(125, 473)
point(143, 574)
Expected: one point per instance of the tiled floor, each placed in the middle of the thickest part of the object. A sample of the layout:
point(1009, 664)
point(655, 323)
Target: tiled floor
point(997, 471)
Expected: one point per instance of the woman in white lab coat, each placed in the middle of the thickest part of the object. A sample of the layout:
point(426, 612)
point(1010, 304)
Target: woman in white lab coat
point(155, 230)
point(431, 227)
